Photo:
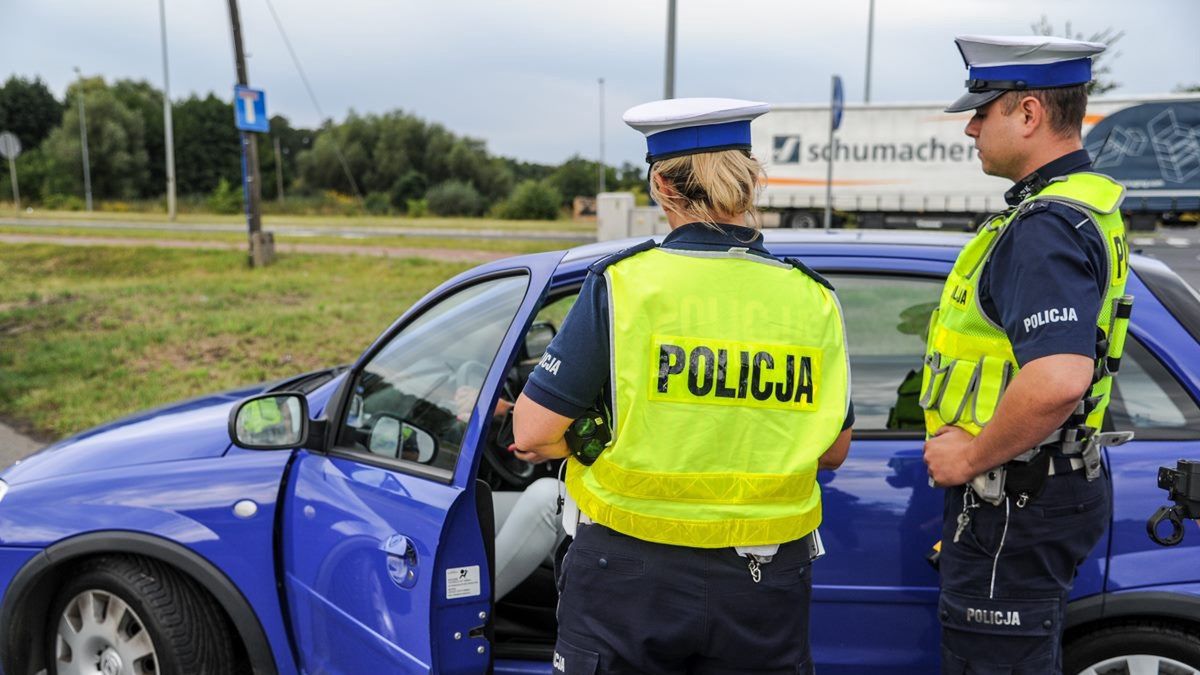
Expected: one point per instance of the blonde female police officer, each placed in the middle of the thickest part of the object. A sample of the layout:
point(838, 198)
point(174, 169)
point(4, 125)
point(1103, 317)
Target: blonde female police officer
point(1020, 361)
point(728, 382)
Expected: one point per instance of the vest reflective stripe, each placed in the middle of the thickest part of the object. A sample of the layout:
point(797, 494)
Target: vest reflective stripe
point(969, 361)
point(720, 488)
point(725, 395)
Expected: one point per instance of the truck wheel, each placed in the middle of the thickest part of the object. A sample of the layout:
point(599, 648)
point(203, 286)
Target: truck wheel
point(803, 220)
point(1133, 648)
point(127, 615)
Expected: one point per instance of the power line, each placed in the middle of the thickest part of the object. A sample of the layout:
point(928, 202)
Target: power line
point(337, 148)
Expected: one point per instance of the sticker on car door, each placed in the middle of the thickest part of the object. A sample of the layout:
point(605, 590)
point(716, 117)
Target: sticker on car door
point(462, 582)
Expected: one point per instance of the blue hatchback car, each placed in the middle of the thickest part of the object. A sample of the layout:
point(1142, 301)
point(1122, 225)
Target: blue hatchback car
point(156, 545)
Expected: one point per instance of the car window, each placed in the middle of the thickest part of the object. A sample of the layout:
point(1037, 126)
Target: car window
point(1172, 291)
point(886, 321)
point(1148, 400)
point(425, 381)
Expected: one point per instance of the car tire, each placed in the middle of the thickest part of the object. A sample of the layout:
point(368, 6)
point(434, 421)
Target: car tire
point(1135, 647)
point(120, 614)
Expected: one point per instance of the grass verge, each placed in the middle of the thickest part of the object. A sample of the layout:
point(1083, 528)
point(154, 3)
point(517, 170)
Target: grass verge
point(514, 246)
point(91, 333)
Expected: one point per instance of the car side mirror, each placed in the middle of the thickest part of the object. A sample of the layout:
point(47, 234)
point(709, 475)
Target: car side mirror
point(537, 338)
point(393, 437)
point(276, 421)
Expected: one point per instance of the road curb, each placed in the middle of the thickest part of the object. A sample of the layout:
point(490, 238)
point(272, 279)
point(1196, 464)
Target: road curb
point(15, 446)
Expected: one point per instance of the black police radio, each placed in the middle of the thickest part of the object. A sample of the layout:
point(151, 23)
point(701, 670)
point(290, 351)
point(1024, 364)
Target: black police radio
point(1183, 487)
point(589, 435)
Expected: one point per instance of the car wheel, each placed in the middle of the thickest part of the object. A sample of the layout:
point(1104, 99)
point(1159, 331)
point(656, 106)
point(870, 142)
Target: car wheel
point(126, 615)
point(1135, 648)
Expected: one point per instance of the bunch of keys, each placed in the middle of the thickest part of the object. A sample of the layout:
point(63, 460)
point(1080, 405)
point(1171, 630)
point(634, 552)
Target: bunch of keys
point(964, 518)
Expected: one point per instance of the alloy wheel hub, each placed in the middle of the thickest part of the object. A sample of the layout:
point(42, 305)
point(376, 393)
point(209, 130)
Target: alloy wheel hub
point(110, 662)
point(1140, 664)
point(100, 634)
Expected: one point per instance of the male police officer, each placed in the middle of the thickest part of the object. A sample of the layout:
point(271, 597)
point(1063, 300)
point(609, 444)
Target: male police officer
point(1018, 368)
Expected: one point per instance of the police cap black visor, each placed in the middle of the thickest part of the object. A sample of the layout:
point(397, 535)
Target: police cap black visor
point(974, 99)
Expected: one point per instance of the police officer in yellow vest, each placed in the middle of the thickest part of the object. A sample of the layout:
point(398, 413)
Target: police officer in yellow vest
point(726, 375)
point(1020, 359)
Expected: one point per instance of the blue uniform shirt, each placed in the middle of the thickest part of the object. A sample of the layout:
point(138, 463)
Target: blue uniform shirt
point(581, 346)
point(1051, 259)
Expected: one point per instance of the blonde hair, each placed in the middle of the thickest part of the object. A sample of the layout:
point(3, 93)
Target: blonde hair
point(711, 186)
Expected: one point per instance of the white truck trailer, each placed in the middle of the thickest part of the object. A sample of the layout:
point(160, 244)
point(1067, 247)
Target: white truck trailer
point(906, 165)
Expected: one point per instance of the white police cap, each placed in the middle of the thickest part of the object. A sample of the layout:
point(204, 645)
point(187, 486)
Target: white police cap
point(686, 126)
point(1000, 63)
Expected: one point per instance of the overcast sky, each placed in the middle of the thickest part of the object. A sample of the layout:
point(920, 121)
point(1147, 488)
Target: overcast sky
point(522, 74)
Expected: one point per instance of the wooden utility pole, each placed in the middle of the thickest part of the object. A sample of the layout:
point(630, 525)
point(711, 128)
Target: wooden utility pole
point(262, 249)
point(278, 171)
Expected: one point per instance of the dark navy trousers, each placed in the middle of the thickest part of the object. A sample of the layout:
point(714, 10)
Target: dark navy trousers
point(632, 606)
point(1005, 583)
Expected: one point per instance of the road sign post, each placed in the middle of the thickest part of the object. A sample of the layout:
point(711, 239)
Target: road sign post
point(250, 108)
point(10, 149)
point(250, 112)
point(836, 102)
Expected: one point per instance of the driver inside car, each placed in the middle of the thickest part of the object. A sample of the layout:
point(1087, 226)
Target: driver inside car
point(528, 528)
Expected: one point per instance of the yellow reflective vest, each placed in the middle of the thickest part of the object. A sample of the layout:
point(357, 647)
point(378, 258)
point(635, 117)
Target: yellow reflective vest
point(729, 379)
point(969, 360)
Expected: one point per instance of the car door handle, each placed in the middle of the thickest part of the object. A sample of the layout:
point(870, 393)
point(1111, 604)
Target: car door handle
point(401, 560)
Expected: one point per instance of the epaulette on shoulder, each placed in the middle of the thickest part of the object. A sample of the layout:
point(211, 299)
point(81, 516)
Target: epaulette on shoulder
point(1032, 206)
point(795, 262)
point(599, 266)
point(1067, 213)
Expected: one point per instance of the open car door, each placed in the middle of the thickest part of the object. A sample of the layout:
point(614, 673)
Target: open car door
point(384, 564)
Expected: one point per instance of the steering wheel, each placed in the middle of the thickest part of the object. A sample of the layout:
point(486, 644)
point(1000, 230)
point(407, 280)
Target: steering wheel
point(512, 470)
point(471, 374)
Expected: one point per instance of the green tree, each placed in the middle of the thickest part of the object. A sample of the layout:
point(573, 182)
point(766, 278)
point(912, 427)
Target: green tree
point(531, 200)
point(408, 188)
point(116, 145)
point(454, 198)
point(146, 102)
point(320, 168)
point(523, 171)
point(29, 110)
point(631, 176)
point(1187, 89)
point(1101, 64)
point(292, 142)
point(399, 154)
point(226, 198)
point(579, 177)
point(32, 173)
point(207, 146)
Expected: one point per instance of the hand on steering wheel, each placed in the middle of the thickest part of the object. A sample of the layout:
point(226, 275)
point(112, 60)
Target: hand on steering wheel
point(468, 379)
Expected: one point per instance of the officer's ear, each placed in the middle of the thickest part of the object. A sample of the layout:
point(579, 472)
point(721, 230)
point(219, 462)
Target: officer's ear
point(1033, 114)
point(663, 186)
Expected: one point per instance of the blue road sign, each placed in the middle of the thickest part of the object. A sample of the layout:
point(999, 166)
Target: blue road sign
point(839, 100)
point(250, 109)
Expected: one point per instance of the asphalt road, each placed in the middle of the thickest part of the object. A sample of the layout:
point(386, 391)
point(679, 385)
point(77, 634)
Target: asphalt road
point(14, 446)
point(1179, 249)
